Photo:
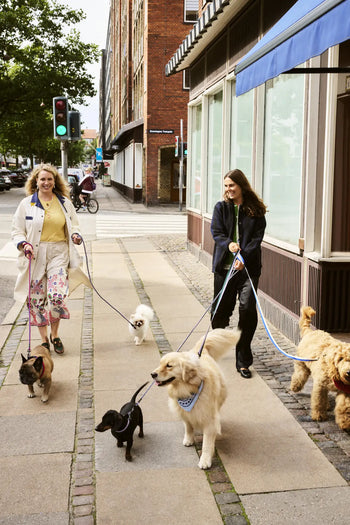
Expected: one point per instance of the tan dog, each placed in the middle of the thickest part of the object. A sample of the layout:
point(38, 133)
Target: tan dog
point(331, 371)
point(196, 388)
point(37, 368)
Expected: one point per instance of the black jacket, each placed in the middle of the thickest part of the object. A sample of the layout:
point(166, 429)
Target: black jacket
point(251, 233)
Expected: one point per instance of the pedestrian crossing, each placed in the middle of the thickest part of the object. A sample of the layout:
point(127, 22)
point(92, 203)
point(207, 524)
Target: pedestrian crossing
point(139, 224)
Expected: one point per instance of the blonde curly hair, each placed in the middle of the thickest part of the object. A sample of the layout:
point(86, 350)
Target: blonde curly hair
point(61, 187)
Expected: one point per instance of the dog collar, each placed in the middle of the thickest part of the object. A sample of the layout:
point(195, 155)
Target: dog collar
point(342, 386)
point(188, 403)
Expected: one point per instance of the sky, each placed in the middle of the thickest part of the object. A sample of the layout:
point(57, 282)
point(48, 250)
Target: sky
point(92, 30)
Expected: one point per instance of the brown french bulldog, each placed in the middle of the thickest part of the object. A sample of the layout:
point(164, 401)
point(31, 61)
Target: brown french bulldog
point(38, 367)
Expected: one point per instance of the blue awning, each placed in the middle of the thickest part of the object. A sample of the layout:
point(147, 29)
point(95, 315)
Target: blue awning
point(306, 30)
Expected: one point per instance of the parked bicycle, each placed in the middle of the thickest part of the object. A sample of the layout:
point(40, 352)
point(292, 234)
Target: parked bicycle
point(91, 203)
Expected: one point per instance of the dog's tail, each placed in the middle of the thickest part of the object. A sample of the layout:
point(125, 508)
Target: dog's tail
point(219, 341)
point(146, 311)
point(133, 399)
point(305, 320)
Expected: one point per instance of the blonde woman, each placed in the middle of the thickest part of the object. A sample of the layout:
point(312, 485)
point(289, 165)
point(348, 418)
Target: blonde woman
point(45, 228)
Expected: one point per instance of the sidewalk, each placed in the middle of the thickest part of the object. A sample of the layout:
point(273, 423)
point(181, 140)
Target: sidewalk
point(273, 464)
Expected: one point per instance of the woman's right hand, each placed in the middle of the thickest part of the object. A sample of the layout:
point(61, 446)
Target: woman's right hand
point(233, 247)
point(28, 250)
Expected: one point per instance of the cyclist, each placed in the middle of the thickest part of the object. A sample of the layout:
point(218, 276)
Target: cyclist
point(86, 186)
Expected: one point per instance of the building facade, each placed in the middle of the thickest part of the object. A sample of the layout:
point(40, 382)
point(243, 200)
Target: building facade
point(146, 107)
point(289, 136)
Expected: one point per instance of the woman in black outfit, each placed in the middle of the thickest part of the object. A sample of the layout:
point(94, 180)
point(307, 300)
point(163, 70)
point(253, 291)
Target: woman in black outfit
point(238, 224)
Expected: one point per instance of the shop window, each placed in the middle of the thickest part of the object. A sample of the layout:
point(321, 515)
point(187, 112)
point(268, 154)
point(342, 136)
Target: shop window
point(214, 149)
point(283, 145)
point(196, 156)
point(241, 133)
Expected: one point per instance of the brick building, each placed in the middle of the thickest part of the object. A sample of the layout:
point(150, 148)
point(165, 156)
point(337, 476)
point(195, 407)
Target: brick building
point(146, 107)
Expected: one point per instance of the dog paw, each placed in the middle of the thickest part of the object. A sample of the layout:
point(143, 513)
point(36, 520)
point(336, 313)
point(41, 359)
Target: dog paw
point(319, 416)
point(204, 463)
point(31, 395)
point(44, 399)
point(188, 442)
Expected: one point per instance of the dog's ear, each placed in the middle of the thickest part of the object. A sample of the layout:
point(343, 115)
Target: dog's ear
point(23, 359)
point(38, 363)
point(188, 371)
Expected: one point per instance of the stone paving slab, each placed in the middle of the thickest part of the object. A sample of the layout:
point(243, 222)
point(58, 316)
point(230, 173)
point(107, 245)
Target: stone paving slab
point(154, 405)
point(314, 507)
point(171, 496)
point(53, 518)
point(161, 448)
point(63, 398)
point(34, 484)
point(262, 447)
point(37, 433)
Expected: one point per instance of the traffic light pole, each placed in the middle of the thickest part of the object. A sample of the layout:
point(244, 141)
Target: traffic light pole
point(64, 158)
point(181, 165)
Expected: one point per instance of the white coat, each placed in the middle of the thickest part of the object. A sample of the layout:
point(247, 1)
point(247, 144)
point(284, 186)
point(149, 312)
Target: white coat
point(27, 226)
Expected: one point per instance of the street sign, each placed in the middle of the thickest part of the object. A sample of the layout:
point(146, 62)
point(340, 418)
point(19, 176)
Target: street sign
point(99, 155)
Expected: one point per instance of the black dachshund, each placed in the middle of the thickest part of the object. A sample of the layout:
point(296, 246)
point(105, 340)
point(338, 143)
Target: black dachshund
point(122, 424)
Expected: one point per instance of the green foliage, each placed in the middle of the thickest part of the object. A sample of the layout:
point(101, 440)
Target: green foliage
point(40, 58)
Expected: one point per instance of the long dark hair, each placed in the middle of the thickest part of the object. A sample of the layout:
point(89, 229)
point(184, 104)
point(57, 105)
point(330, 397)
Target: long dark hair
point(252, 204)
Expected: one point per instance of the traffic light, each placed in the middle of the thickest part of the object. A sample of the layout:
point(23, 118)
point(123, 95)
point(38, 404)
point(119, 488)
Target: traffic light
point(74, 126)
point(176, 146)
point(184, 149)
point(60, 118)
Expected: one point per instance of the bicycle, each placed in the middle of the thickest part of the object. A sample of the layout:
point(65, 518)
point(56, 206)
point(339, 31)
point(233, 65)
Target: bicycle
point(91, 203)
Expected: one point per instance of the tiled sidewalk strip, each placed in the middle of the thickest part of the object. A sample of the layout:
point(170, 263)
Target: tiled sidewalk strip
point(227, 500)
point(157, 329)
point(272, 366)
point(83, 496)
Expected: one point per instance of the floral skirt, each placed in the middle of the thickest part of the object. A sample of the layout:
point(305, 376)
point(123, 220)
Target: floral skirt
point(49, 284)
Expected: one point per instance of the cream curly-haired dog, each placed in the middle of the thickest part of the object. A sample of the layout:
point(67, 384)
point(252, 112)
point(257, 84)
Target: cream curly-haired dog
point(330, 371)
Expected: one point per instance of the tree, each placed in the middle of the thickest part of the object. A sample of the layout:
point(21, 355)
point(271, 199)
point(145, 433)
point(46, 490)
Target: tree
point(39, 59)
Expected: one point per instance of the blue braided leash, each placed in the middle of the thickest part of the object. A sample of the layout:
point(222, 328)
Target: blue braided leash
point(296, 358)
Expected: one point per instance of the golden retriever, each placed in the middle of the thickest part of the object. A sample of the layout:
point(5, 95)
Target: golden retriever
point(199, 383)
point(330, 371)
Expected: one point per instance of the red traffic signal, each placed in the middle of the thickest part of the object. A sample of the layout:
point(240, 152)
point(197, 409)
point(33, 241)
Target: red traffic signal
point(61, 118)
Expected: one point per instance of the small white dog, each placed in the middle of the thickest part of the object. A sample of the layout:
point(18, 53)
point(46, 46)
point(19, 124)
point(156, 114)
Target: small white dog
point(141, 320)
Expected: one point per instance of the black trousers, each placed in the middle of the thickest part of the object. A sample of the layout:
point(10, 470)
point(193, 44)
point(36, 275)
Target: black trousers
point(239, 285)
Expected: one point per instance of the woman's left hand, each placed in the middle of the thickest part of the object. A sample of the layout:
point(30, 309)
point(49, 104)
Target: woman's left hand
point(76, 238)
point(239, 265)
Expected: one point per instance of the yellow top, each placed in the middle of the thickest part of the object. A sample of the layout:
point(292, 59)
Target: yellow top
point(54, 222)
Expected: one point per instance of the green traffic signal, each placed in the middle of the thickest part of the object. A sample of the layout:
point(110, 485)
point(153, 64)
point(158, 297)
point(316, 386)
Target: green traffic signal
point(61, 130)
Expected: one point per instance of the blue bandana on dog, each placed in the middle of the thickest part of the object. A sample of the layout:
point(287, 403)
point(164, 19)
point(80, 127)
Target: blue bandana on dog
point(188, 403)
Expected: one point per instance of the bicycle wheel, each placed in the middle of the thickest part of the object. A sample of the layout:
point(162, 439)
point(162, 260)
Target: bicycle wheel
point(92, 206)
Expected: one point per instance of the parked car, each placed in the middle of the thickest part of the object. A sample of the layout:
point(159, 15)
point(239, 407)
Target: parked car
point(18, 178)
point(2, 183)
point(7, 181)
